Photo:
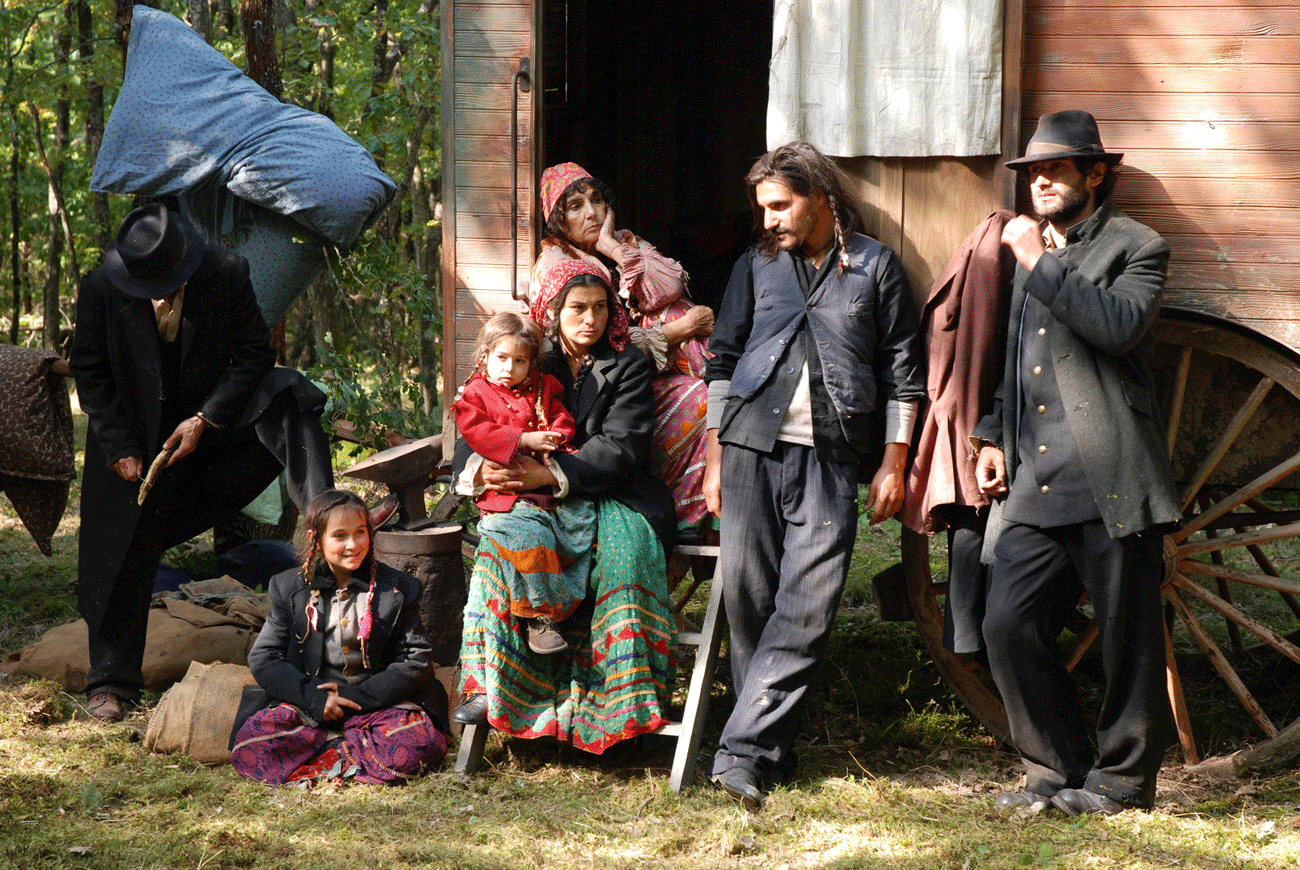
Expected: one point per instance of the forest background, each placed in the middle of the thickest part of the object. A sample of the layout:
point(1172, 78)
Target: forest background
point(369, 327)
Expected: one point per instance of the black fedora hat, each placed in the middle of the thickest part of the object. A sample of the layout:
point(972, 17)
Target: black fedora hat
point(155, 252)
point(1072, 133)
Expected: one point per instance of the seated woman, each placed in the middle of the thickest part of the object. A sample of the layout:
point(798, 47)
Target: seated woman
point(667, 327)
point(614, 680)
point(339, 663)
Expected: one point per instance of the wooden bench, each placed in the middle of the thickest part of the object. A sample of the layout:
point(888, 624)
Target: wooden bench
point(689, 729)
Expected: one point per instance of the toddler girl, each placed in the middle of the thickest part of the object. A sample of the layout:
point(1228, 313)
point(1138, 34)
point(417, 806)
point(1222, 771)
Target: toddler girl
point(508, 408)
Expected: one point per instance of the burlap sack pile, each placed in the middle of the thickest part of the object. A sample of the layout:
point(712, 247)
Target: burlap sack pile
point(206, 621)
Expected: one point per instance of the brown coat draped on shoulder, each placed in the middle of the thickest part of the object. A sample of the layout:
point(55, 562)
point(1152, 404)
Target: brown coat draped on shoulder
point(964, 326)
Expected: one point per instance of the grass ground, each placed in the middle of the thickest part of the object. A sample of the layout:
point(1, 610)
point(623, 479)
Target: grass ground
point(893, 774)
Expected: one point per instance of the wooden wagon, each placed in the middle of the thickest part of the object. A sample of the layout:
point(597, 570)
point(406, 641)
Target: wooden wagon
point(666, 101)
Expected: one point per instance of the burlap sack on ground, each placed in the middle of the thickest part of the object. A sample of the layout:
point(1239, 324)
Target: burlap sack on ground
point(180, 632)
point(195, 716)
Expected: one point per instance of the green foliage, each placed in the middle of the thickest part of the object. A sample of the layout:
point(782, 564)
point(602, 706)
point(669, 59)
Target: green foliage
point(383, 374)
point(367, 373)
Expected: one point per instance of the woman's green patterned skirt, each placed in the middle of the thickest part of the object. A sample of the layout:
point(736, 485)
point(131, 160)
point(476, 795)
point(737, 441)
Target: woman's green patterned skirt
point(615, 681)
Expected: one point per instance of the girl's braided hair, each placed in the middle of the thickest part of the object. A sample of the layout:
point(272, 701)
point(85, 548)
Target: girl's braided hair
point(805, 170)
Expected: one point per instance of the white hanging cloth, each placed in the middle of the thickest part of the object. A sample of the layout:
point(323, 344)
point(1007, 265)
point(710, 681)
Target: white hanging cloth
point(887, 78)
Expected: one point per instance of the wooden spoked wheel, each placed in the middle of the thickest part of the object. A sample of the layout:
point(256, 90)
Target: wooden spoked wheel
point(1231, 402)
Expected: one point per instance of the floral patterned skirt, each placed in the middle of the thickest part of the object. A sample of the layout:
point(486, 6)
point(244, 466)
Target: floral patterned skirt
point(387, 746)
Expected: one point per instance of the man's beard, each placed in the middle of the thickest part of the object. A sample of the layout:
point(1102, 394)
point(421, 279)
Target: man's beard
point(1069, 204)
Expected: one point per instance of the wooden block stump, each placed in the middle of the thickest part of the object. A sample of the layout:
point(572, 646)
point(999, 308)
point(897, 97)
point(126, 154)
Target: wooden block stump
point(432, 556)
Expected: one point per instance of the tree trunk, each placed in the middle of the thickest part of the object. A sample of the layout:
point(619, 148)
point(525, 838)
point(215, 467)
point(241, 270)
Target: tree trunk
point(323, 93)
point(382, 69)
point(94, 116)
point(51, 313)
point(422, 237)
point(258, 19)
point(122, 15)
point(15, 222)
point(224, 18)
point(322, 321)
point(199, 13)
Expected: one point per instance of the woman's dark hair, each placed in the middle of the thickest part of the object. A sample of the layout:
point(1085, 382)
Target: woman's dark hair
point(553, 310)
point(555, 223)
point(314, 520)
point(805, 170)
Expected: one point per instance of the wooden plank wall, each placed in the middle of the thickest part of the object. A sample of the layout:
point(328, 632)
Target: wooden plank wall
point(482, 44)
point(923, 208)
point(1203, 98)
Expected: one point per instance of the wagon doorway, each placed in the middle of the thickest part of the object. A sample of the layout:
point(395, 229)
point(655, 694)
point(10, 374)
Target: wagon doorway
point(664, 101)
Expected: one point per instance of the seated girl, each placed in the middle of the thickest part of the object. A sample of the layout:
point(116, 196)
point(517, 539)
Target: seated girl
point(339, 664)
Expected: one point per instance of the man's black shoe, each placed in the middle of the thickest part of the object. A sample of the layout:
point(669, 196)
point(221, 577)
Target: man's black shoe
point(741, 785)
point(1081, 802)
point(1031, 802)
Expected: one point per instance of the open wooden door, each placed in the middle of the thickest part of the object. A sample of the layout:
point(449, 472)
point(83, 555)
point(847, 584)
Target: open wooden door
point(489, 171)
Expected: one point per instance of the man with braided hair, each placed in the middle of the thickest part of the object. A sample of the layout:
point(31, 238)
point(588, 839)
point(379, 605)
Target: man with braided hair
point(816, 373)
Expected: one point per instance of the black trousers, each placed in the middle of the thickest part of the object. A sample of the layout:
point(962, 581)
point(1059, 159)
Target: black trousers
point(1036, 581)
point(968, 580)
point(225, 472)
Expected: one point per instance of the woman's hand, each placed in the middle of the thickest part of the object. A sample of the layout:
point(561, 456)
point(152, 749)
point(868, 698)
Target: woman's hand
point(607, 243)
point(523, 474)
point(698, 320)
point(336, 704)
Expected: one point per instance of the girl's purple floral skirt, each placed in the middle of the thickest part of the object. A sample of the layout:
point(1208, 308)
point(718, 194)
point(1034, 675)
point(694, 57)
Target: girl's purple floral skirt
point(387, 746)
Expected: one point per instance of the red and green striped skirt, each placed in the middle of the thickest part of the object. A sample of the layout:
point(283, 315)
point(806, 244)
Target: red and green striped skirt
point(615, 681)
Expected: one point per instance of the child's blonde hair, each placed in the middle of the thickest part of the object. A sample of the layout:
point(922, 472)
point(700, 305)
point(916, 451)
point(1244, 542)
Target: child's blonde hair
point(508, 324)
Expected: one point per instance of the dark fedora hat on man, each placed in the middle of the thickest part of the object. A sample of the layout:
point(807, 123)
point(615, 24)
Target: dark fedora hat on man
point(156, 251)
point(1072, 133)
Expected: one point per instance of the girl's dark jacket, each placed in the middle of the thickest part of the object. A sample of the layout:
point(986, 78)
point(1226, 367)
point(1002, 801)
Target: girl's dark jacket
point(288, 657)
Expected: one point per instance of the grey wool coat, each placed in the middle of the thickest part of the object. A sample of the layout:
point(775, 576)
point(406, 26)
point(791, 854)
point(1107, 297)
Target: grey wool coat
point(1103, 291)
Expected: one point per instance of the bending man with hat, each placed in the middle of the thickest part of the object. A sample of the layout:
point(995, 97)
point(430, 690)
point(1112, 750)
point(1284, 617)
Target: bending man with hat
point(1075, 444)
point(171, 355)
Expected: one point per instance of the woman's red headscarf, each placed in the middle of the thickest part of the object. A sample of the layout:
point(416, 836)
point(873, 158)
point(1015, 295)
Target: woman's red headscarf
point(564, 272)
point(555, 181)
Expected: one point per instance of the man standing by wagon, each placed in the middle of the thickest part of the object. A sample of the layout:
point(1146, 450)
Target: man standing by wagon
point(173, 360)
point(1075, 442)
point(816, 351)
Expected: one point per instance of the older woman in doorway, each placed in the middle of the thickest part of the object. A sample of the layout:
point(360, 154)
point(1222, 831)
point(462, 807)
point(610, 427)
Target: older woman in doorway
point(615, 678)
point(666, 326)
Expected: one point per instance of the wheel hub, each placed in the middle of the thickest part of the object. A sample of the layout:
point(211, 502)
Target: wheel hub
point(1171, 560)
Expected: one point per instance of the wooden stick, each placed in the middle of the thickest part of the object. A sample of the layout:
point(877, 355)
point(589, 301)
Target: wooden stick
point(155, 468)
